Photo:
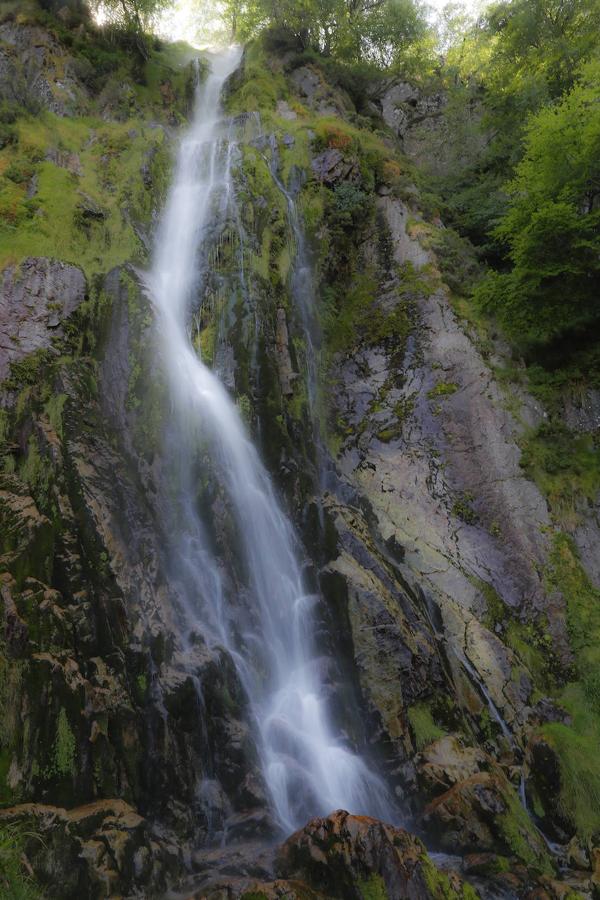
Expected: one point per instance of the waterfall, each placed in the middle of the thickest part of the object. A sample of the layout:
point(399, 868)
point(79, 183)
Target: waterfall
point(307, 768)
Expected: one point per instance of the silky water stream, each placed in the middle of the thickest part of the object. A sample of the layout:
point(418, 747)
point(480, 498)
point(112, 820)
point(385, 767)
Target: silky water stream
point(308, 769)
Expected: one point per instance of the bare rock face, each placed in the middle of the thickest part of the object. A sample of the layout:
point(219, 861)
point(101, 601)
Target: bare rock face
point(421, 122)
point(433, 445)
point(35, 69)
point(35, 299)
point(282, 352)
point(317, 94)
point(332, 167)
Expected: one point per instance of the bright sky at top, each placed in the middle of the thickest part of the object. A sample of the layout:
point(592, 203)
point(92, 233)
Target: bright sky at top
point(472, 6)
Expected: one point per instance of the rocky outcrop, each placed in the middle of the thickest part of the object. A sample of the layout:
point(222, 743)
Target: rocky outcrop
point(37, 71)
point(439, 462)
point(344, 855)
point(431, 130)
point(332, 167)
point(481, 813)
point(317, 94)
point(35, 299)
point(103, 849)
point(351, 858)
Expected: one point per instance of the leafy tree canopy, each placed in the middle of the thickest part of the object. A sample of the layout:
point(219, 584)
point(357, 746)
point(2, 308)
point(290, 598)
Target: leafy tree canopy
point(351, 30)
point(135, 16)
point(552, 226)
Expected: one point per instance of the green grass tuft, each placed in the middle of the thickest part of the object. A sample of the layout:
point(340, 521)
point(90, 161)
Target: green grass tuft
point(424, 729)
point(16, 883)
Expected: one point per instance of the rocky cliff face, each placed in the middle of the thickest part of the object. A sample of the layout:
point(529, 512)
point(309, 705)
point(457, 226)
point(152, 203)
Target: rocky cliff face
point(447, 586)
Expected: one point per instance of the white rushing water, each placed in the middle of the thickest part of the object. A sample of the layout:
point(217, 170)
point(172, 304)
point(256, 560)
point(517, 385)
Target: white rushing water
point(307, 768)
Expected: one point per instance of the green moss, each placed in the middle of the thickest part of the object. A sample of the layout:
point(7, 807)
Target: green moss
point(579, 797)
point(495, 606)
point(565, 466)
point(357, 318)
point(54, 410)
point(37, 472)
point(462, 508)
point(577, 745)
point(244, 405)
point(388, 434)
point(533, 645)
point(520, 837)
point(82, 211)
point(423, 728)
point(566, 574)
point(442, 389)
point(439, 886)
point(64, 747)
point(259, 86)
point(373, 888)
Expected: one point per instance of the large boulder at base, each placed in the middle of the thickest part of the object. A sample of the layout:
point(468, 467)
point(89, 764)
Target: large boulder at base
point(352, 857)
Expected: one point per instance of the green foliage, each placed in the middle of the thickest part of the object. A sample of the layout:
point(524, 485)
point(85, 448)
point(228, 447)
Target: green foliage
point(458, 264)
point(64, 747)
point(537, 45)
point(373, 888)
point(424, 729)
point(552, 226)
point(442, 389)
point(379, 33)
point(565, 466)
point(15, 881)
point(579, 798)
point(576, 745)
point(349, 202)
point(134, 17)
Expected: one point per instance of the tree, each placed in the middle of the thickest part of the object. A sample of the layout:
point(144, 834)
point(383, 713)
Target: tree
point(552, 226)
point(349, 30)
point(133, 16)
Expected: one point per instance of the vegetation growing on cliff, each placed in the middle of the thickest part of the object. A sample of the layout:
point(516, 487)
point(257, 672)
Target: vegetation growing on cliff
point(87, 199)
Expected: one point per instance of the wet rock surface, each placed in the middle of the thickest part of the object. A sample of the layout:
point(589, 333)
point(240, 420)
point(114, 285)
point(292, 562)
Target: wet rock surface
point(349, 857)
point(102, 849)
point(35, 299)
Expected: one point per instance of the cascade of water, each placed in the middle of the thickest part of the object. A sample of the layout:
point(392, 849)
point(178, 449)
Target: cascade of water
point(307, 769)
